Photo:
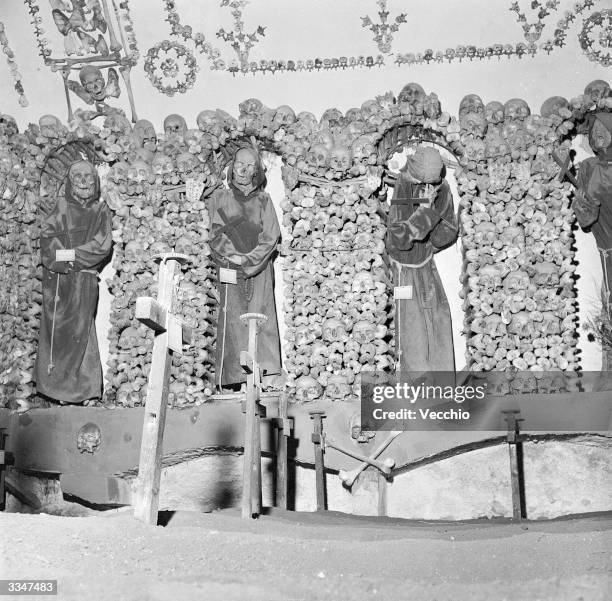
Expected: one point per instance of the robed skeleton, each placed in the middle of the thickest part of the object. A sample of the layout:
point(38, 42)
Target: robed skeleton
point(68, 367)
point(421, 221)
point(244, 234)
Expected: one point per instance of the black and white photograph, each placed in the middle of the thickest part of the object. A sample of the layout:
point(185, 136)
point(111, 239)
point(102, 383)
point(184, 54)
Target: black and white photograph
point(306, 300)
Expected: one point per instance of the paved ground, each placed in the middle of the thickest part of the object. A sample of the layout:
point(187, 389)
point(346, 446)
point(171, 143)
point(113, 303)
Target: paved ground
point(308, 557)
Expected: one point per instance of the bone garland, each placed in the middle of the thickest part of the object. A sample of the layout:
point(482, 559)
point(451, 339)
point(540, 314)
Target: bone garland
point(240, 41)
point(171, 67)
point(560, 34)
point(597, 29)
point(10, 59)
point(533, 31)
point(383, 31)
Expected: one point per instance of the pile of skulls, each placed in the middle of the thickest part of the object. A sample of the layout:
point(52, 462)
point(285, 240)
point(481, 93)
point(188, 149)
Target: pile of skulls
point(517, 235)
point(21, 295)
point(336, 299)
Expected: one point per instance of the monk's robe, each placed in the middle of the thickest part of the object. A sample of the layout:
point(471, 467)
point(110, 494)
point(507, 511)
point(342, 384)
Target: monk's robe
point(245, 225)
point(68, 367)
point(424, 337)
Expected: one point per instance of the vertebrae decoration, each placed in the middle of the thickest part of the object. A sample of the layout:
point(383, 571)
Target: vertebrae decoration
point(515, 218)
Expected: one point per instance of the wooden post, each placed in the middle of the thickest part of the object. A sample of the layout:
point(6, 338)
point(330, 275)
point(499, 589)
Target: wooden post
point(317, 439)
point(251, 474)
point(516, 464)
point(170, 334)
point(283, 432)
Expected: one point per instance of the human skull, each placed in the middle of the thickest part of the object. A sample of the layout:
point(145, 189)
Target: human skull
point(551, 324)
point(494, 112)
point(252, 107)
point(144, 132)
point(337, 387)
point(513, 236)
point(93, 81)
point(307, 389)
point(411, 93)
point(332, 118)
point(475, 150)
point(186, 163)
point(546, 274)
point(597, 90)
point(363, 282)
point(175, 127)
point(341, 158)
point(119, 172)
point(318, 156)
point(471, 103)
point(363, 150)
point(209, 122)
point(516, 280)
point(552, 105)
point(89, 438)
point(494, 326)
point(599, 137)
point(139, 172)
point(364, 331)
point(334, 330)
point(474, 124)
point(490, 276)
point(162, 164)
point(284, 116)
point(516, 109)
point(50, 126)
point(521, 324)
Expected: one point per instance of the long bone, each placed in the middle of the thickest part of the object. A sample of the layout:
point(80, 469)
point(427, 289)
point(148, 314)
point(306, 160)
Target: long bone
point(383, 466)
point(348, 478)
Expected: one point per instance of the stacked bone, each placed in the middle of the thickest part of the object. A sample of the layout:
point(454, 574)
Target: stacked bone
point(517, 236)
point(158, 209)
point(20, 296)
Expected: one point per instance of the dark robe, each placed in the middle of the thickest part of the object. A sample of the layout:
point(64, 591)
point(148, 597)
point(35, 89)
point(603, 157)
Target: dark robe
point(424, 336)
point(76, 374)
point(247, 226)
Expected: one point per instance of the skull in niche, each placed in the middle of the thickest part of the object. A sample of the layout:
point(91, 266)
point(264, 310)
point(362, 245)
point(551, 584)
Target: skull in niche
point(337, 387)
point(284, 116)
point(175, 127)
point(318, 156)
point(521, 324)
point(251, 106)
point(307, 389)
point(494, 326)
point(597, 90)
point(319, 354)
point(89, 438)
point(490, 276)
point(546, 274)
point(133, 252)
point(471, 103)
point(363, 282)
point(139, 172)
point(119, 172)
point(513, 236)
point(324, 137)
point(50, 126)
point(186, 163)
point(474, 124)
point(485, 231)
point(364, 331)
point(364, 151)
point(516, 280)
point(475, 150)
point(334, 330)
point(209, 122)
point(340, 159)
point(144, 132)
point(516, 109)
point(412, 93)
point(552, 106)
point(304, 335)
point(162, 164)
point(551, 324)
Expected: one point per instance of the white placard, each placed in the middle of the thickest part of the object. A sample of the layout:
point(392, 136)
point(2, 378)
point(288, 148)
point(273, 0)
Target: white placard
point(402, 292)
point(64, 254)
point(227, 276)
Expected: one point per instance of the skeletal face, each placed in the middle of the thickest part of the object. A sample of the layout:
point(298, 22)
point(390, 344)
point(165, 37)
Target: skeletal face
point(162, 164)
point(284, 116)
point(93, 82)
point(119, 171)
point(244, 167)
point(475, 150)
point(50, 126)
point(546, 274)
point(145, 134)
point(340, 159)
point(132, 252)
point(490, 276)
point(334, 330)
point(494, 112)
point(513, 235)
point(252, 106)
point(521, 324)
point(494, 326)
point(551, 324)
point(175, 127)
point(599, 136)
point(208, 121)
point(364, 331)
point(186, 163)
point(333, 117)
point(89, 438)
point(337, 387)
point(307, 389)
point(597, 90)
point(471, 103)
point(363, 282)
point(552, 105)
point(516, 109)
point(516, 280)
point(474, 124)
point(411, 93)
point(82, 177)
point(318, 156)
point(139, 172)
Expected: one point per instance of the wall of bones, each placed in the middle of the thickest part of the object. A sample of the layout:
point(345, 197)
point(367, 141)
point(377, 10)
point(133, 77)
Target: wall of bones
point(518, 275)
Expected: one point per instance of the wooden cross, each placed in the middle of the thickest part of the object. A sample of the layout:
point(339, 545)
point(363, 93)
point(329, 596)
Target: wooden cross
point(251, 476)
point(565, 174)
point(170, 335)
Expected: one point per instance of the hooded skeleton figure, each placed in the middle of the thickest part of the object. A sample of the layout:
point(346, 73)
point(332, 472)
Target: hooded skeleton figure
point(68, 365)
point(421, 221)
point(593, 201)
point(244, 236)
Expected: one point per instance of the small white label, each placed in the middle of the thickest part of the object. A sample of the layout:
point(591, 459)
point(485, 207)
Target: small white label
point(64, 254)
point(227, 276)
point(402, 292)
